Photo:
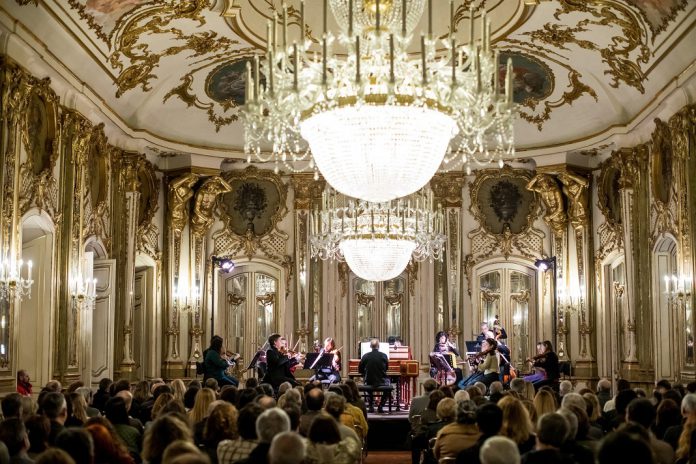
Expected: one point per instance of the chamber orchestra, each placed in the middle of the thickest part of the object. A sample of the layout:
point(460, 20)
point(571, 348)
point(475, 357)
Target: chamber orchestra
point(485, 359)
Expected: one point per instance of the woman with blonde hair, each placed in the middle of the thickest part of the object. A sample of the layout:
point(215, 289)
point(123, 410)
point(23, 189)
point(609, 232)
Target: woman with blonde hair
point(685, 448)
point(594, 413)
point(160, 403)
point(178, 389)
point(517, 425)
point(200, 406)
point(544, 402)
point(77, 410)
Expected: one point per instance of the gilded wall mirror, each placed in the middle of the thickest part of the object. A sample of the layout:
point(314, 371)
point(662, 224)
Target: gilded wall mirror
point(256, 202)
point(501, 200)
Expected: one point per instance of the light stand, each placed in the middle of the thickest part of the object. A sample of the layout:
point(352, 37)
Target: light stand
point(226, 265)
point(544, 265)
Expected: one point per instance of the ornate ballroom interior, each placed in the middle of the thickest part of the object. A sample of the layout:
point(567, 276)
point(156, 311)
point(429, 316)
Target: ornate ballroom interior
point(127, 175)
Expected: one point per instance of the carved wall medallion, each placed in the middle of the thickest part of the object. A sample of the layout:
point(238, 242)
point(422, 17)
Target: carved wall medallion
point(256, 201)
point(203, 206)
point(500, 198)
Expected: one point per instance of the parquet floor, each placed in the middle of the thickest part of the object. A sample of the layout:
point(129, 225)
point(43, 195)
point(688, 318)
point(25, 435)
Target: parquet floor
point(388, 457)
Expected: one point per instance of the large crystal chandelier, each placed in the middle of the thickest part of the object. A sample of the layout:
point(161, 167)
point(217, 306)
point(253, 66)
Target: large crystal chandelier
point(377, 240)
point(376, 121)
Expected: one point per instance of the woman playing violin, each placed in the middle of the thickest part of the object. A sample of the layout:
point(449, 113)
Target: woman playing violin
point(545, 364)
point(279, 361)
point(488, 368)
point(445, 347)
point(332, 373)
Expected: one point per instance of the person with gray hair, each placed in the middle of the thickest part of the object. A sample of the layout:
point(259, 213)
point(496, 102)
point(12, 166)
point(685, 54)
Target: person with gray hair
point(688, 411)
point(565, 387)
point(603, 392)
point(287, 448)
point(482, 388)
point(499, 450)
point(270, 423)
point(574, 399)
point(460, 435)
point(518, 386)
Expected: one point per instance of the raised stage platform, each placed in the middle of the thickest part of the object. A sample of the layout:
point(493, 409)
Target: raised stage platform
point(388, 431)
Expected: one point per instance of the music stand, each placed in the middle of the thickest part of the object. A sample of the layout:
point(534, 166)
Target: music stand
point(318, 361)
point(438, 361)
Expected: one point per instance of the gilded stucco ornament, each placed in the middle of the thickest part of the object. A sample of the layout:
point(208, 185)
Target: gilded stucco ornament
point(550, 193)
point(447, 188)
point(180, 192)
point(524, 241)
point(306, 190)
point(147, 234)
point(575, 187)
point(205, 203)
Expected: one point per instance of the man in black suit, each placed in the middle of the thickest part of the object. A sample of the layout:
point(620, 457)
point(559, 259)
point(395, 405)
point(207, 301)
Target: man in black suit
point(373, 368)
point(279, 364)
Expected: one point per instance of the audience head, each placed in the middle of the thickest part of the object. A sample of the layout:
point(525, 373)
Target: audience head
point(115, 410)
point(108, 446)
point(465, 411)
point(461, 395)
point(183, 452)
point(518, 385)
point(324, 430)
point(571, 422)
point(54, 456)
point(221, 423)
point(499, 450)
point(11, 406)
point(200, 406)
point(623, 398)
point(435, 398)
point(662, 386)
point(575, 399)
point(77, 442)
point(667, 414)
point(287, 448)
point(489, 419)
point(315, 399)
point(285, 386)
point(544, 402)
point(39, 429)
point(265, 401)
point(190, 397)
point(14, 435)
point(482, 387)
point(446, 410)
point(641, 411)
point(252, 382)
point(104, 384)
point(212, 384)
point(552, 430)
point(246, 423)
point(53, 386)
point(622, 384)
point(54, 407)
point(335, 405)
point(621, 446)
point(565, 387)
point(592, 406)
point(270, 423)
point(163, 431)
point(603, 385)
point(516, 422)
point(496, 387)
point(429, 386)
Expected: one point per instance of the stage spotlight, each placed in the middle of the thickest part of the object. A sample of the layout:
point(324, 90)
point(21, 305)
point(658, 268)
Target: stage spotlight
point(225, 264)
point(545, 264)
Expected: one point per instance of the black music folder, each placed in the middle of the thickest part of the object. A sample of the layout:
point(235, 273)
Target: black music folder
point(324, 362)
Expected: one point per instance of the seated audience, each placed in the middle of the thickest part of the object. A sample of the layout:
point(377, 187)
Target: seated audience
point(489, 420)
point(552, 431)
point(54, 456)
point(102, 394)
point(335, 406)
point(220, 425)
point(621, 446)
point(77, 442)
point(108, 447)
point(230, 451)
point(460, 435)
point(14, 435)
point(55, 408)
point(162, 432)
point(38, 429)
point(269, 424)
point(668, 415)
point(287, 448)
point(326, 446)
point(499, 450)
point(642, 412)
point(115, 412)
point(517, 425)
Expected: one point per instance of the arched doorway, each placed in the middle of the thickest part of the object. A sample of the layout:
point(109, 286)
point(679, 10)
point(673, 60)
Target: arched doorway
point(36, 314)
point(666, 307)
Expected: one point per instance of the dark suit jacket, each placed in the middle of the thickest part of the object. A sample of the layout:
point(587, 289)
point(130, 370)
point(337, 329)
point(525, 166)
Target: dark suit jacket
point(278, 368)
point(373, 367)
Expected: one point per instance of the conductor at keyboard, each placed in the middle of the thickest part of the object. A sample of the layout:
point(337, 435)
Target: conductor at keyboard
point(373, 368)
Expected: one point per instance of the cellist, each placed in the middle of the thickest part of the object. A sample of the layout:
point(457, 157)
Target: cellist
point(445, 347)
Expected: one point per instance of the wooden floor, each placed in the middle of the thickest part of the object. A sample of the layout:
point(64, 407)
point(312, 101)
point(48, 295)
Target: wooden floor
point(388, 457)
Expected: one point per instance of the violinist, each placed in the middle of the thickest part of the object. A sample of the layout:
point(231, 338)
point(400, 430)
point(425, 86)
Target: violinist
point(216, 363)
point(333, 372)
point(545, 365)
point(445, 347)
point(487, 369)
point(279, 362)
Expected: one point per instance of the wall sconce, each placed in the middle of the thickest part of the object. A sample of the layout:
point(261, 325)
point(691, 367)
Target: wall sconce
point(227, 265)
point(678, 291)
point(83, 291)
point(550, 264)
point(12, 284)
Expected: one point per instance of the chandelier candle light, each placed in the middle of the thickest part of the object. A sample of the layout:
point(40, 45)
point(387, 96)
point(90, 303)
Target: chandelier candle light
point(377, 240)
point(12, 284)
point(358, 108)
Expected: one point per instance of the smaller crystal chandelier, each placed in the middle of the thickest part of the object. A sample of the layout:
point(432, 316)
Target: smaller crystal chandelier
point(12, 284)
point(377, 240)
point(83, 291)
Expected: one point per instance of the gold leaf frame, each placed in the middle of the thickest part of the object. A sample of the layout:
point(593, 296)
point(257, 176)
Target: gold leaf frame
point(252, 173)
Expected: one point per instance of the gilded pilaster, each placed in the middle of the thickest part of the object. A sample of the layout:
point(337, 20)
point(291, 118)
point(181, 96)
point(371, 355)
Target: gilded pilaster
point(201, 221)
point(447, 189)
point(307, 193)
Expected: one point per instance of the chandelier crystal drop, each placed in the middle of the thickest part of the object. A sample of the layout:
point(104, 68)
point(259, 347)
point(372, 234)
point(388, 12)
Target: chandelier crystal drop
point(13, 285)
point(375, 120)
point(377, 240)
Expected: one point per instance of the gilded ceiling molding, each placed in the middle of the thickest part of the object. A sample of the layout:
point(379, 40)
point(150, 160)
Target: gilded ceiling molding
point(135, 60)
point(623, 54)
point(526, 241)
point(676, 7)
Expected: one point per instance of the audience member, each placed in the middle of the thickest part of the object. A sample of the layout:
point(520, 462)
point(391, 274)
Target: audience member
point(544, 402)
point(77, 442)
point(326, 445)
point(24, 387)
point(499, 450)
point(54, 456)
point(269, 424)
point(11, 406)
point(668, 415)
point(14, 435)
point(460, 435)
point(516, 424)
point(603, 392)
point(335, 406)
point(642, 412)
point(163, 431)
point(102, 394)
point(55, 408)
point(38, 429)
point(287, 448)
point(220, 425)
point(115, 412)
point(107, 445)
point(552, 431)
point(489, 420)
point(620, 446)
